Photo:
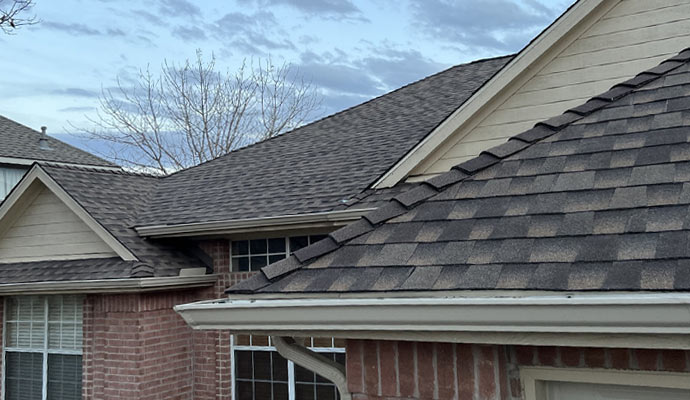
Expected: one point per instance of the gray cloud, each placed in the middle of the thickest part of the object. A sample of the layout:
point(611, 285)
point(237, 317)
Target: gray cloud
point(76, 109)
point(76, 92)
point(503, 25)
point(342, 8)
point(189, 33)
point(395, 68)
point(72, 29)
point(179, 8)
point(252, 33)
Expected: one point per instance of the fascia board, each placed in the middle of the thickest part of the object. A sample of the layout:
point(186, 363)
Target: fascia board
point(655, 314)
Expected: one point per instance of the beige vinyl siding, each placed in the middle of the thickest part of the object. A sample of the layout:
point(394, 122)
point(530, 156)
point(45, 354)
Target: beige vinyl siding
point(48, 230)
point(632, 36)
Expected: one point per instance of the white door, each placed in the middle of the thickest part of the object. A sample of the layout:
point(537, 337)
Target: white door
point(585, 391)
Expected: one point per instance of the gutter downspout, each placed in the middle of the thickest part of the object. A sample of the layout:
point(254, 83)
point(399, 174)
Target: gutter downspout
point(315, 362)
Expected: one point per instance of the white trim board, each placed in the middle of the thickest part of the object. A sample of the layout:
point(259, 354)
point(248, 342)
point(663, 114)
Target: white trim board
point(522, 66)
point(29, 187)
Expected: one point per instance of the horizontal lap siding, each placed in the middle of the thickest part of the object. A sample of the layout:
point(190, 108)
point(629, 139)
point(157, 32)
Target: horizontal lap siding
point(397, 370)
point(633, 36)
point(49, 230)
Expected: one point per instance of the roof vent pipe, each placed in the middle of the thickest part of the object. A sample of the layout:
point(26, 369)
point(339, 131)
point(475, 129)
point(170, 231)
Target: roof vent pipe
point(43, 140)
point(314, 362)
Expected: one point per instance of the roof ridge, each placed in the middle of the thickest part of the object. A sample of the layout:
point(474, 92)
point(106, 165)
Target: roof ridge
point(95, 169)
point(347, 110)
point(408, 200)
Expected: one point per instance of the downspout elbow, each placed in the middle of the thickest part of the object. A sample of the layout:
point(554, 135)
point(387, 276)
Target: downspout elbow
point(315, 362)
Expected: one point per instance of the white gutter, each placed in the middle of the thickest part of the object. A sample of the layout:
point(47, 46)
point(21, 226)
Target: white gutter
point(109, 285)
point(29, 162)
point(548, 316)
point(315, 362)
point(282, 222)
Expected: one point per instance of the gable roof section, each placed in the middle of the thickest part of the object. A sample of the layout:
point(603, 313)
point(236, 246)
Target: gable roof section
point(108, 202)
point(523, 63)
point(320, 166)
point(595, 199)
point(20, 144)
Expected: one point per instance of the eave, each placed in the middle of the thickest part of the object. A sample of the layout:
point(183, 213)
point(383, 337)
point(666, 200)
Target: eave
point(618, 320)
point(30, 161)
point(261, 224)
point(102, 286)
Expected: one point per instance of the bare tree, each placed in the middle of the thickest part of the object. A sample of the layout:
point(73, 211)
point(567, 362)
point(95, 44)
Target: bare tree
point(10, 14)
point(191, 113)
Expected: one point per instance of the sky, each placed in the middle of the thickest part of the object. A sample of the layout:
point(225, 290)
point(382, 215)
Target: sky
point(52, 73)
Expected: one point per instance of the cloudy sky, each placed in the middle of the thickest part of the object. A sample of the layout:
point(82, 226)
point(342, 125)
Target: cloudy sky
point(52, 73)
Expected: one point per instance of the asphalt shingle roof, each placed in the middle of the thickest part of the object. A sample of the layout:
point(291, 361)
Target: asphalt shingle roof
point(113, 198)
point(595, 199)
point(317, 167)
point(19, 141)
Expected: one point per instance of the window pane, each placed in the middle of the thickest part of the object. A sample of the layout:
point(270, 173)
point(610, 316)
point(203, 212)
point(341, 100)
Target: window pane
point(315, 238)
point(276, 245)
point(280, 368)
point(258, 262)
point(262, 365)
point(243, 364)
point(258, 246)
point(240, 247)
point(325, 392)
point(276, 258)
point(24, 376)
point(280, 391)
point(245, 390)
point(64, 377)
point(303, 375)
point(304, 392)
point(298, 242)
point(240, 264)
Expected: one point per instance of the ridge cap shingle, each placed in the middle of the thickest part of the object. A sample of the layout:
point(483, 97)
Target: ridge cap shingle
point(486, 159)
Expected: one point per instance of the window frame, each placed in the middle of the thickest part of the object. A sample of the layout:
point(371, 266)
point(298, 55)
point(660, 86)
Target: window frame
point(44, 351)
point(534, 379)
point(311, 239)
point(290, 363)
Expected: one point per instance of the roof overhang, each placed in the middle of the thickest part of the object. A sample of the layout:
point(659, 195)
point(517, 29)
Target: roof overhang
point(109, 285)
point(609, 320)
point(29, 162)
point(262, 224)
point(522, 66)
point(28, 188)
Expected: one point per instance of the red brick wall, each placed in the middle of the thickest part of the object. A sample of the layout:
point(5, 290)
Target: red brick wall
point(136, 346)
point(378, 370)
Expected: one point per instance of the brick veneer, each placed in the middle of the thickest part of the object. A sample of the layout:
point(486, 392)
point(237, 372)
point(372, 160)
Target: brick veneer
point(137, 347)
point(388, 370)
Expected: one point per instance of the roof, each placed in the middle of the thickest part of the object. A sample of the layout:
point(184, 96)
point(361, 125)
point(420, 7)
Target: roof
point(596, 199)
point(322, 165)
point(19, 141)
point(113, 198)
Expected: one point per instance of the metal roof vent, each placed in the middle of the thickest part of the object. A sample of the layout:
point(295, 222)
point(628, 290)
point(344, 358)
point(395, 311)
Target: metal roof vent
point(43, 140)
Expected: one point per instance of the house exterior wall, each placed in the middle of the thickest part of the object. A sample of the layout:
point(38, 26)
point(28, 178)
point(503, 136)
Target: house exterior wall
point(397, 370)
point(631, 37)
point(137, 347)
point(48, 230)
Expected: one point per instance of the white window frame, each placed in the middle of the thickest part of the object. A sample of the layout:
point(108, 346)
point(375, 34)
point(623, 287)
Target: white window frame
point(45, 351)
point(534, 379)
point(291, 365)
point(268, 254)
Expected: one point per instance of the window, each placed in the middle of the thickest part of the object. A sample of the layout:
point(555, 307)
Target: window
point(43, 347)
point(252, 255)
point(261, 373)
point(583, 384)
point(9, 177)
